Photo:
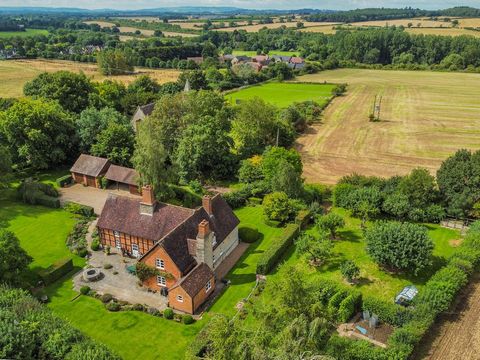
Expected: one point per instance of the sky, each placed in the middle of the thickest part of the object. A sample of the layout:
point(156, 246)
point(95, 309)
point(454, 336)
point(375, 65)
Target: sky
point(250, 4)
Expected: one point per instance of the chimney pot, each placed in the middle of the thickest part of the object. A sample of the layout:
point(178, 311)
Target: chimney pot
point(203, 229)
point(207, 204)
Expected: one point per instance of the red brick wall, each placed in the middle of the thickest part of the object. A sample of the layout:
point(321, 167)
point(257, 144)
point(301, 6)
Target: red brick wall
point(170, 267)
point(185, 306)
point(202, 295)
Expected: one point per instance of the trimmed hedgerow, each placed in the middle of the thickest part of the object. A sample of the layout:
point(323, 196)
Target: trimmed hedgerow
point(389, 312)
point(279, 245)
point(348, 307)
point(56, 271)
point(64, 180)
point(79, 209)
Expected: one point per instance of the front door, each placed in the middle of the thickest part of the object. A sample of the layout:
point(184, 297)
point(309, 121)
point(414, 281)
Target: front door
point(135, 252)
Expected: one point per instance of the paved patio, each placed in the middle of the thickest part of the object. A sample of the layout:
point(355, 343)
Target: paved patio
point(90, 196)
point(123, 286)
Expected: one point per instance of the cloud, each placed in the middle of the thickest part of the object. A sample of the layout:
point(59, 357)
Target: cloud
point(252, 4)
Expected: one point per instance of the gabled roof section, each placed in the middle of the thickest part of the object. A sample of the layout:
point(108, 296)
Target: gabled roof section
point(148, 109)
point(223, 220)
point(196, 279)
point(122, 214)
point(122, 174)
point(89, 165)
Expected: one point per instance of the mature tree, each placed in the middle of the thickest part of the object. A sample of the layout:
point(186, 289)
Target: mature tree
point(459, 181)
point(399, 246)
point(419, 187)
point(318, 249)
point(39, 133)
point(71, 90)
point(350, 271)
point(278, 207)
point(13, 259)
point(251, 170)
point(365, 203)
point(204, 152)
point(5, 161)
point(144, 84)
point(92, 122)
point(115, 142)
point(330, 223)
point(196, 79)
point(287, 180)
point(113, 62)
point(108, 93)
point(397, 204)
point(255, 127)
point(149, 156)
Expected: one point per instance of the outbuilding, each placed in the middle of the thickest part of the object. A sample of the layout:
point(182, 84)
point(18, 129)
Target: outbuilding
point(88, 170)
point(123, 176)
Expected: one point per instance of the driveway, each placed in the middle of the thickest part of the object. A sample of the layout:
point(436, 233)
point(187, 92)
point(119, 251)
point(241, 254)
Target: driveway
point(90, 196)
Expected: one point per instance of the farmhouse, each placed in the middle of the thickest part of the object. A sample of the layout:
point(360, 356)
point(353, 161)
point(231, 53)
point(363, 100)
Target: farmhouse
point(140, 114)
point(184, 245)
point(88, 170)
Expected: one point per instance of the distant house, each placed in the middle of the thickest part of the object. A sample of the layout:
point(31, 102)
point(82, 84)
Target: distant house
point(261, 59)
point(88, 170)
point(281, 58)
point(241, 59)
point(140, 114)
point(226, 58)
point(254, 65)
point(184, 245)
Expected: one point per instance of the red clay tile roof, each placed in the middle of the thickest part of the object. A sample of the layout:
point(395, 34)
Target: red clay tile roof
point(123, 214)
point(122, 174)
point(196, 280)
point(89, 165)
point(297, 60)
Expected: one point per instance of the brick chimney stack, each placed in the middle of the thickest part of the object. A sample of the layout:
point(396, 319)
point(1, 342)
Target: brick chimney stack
point(204, 251)
point(147, 205)
point(207, 204)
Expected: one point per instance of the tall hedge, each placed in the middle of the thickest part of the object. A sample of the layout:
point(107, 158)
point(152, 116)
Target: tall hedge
point(279, 246)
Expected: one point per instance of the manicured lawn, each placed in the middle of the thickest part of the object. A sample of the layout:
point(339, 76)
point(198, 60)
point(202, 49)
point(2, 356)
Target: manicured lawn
point(28, 32)
point(273, 52)
point(283, 94)
point(131, 334)
point(373, 280)
point(243, 275)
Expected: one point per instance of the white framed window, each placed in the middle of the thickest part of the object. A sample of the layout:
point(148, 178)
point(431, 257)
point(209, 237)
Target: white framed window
point(208, 286)
point(214, 242)
point(116, 234)
point(118, 245)
point(160, 264)
point(179, 298)
point(161, 281)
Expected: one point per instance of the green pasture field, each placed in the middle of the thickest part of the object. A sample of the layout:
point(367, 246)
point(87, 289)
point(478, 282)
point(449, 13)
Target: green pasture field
point(28, 32)
point(283, 94)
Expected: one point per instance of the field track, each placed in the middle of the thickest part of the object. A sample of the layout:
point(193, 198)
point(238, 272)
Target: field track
point(426, 116)
point(456, 336)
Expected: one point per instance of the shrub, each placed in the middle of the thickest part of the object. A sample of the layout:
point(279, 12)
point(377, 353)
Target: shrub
point(153, 311)
point(238, 198)
point(248, 233)
point(388, 312)
point(303, 218)
point(278, 207)
point(138, 307)
point(336, 300)
point(79, 209)
point(64, 180)
point(56, 271)
point(350, 271)
point(279, 245)
point(95, 246)
point(168, 313)
point(348, 307)
point(399, 246)
point(113, 306)
point(36, 193)
point(188, 319)
point(82, 252)
point(107, 266)
point(254, 201)
point(85, 290)
point(145, 272)
point(105, 298)
point(76, 240)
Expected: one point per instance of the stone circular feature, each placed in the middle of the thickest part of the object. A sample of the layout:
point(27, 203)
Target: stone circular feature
point(91, 274)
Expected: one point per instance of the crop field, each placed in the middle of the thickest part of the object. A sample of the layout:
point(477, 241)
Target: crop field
point(15, 73)
point(284, 94)
point(443, 31)
point(257, 27)
point(425, 117)
point(28, 32)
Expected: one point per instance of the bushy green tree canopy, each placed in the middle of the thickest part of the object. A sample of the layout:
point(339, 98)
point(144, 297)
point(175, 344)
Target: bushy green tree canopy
point(13, 259)
point(39, 133)
point(399, 246)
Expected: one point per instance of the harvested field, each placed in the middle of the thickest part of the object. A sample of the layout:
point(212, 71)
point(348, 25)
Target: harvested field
point(326, 29)
point(103, 24)
point(257, 27)
point(426, 116)
point(456, 335)
point(443, 31)
point(15, 73)
point(416, 22)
